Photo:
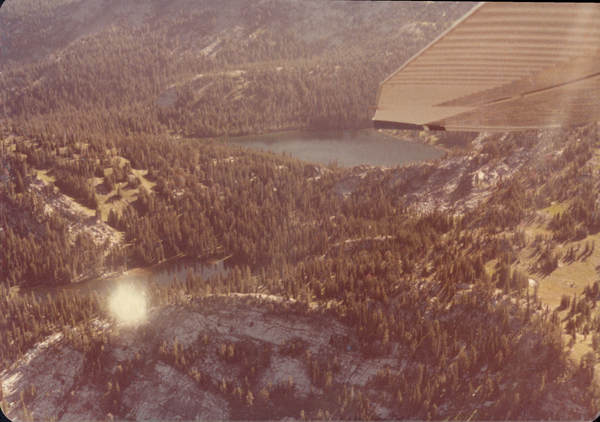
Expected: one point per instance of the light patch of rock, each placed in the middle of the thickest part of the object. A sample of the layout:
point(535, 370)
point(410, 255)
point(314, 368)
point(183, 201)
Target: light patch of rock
point(53, 371)
point(281, 369)
point(172, 396)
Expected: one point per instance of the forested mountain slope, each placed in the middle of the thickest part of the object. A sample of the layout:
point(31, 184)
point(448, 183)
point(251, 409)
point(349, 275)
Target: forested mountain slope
point(201, 69)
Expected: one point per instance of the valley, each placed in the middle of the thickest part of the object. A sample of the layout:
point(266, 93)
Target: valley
point(462, 285)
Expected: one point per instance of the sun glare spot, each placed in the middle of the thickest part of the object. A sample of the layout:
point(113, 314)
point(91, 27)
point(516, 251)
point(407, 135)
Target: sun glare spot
point(127, 305)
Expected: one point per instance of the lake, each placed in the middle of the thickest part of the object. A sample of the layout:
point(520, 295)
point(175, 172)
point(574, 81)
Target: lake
point(162, 274)
point(348, 148)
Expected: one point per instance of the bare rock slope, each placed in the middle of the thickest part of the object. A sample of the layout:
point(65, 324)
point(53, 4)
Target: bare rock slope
point(188, 362)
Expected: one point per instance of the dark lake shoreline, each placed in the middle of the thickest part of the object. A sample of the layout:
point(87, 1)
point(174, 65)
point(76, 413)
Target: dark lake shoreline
point(345, 148)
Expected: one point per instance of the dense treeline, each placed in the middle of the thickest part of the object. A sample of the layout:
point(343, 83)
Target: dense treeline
point(410, 286)
point(260, 208)
point(446, 336)
point(251, 79)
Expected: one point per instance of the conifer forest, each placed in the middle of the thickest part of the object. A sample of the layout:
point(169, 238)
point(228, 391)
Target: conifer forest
point(462, 288)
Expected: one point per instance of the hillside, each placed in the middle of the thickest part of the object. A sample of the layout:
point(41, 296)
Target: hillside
point(397, 277)
point(201, 70)
point(462, 288)
point(252, 357)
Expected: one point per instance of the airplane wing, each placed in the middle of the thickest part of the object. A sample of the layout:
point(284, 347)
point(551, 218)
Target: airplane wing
point(502, 67)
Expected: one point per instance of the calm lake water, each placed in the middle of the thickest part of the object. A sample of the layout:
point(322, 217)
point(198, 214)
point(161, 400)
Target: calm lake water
point(350, 148)
point(162, 274)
